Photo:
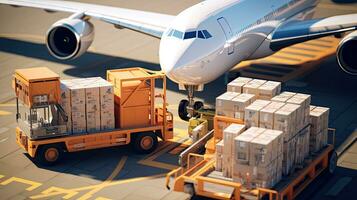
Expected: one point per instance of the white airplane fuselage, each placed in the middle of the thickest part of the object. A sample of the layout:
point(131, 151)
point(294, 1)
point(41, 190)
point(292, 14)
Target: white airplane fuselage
point(238, 30)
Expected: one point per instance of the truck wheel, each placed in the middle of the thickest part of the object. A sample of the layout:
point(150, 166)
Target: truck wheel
point(145, 142)
point(332, 163)
point(49, 155)
point(182, 110)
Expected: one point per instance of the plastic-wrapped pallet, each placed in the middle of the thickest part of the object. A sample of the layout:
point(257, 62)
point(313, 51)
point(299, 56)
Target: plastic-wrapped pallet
point(268, 90)
point(252, 87)
point(225, 105)
point(266, 119)
point(252, 112)
point(219, 155)
point(319, 128)
point(237, 84)
point(229, 134)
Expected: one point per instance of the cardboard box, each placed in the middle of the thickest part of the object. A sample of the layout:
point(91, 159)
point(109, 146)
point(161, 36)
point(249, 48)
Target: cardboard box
point(289, 151)
point(225, 105)
point(264, 148)
point(240, 103)
point(268, 90)
point(242, 174)
point(267, 114)
point(252, 87)
point(237, 84)
point(285, 120)
point(252, 113)
point(278, 142)
point(229, 134)
point(219, 155)
point(242, 145)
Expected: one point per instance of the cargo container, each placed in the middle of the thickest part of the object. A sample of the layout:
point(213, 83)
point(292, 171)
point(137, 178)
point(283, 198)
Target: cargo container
point(43, 129)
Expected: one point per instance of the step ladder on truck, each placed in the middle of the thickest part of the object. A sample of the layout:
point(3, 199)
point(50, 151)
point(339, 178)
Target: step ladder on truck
point(39, 114)
point(198, 177)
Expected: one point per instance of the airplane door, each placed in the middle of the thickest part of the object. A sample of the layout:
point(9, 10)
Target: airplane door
point(227, 32)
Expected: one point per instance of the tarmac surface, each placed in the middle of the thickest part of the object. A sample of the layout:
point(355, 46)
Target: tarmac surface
point(119, 173)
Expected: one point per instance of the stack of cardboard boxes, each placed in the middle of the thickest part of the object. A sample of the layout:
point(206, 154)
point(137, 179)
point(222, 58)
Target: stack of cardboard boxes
point(232, 104)
point(229, 133)
point(319, 127)
point(89, 104)
point(256, 156)
point(278, 137)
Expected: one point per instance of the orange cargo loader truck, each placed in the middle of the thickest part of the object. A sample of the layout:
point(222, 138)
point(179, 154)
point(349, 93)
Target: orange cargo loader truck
point(38, 91)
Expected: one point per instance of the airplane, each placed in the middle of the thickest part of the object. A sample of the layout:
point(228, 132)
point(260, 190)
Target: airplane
point(206, 40)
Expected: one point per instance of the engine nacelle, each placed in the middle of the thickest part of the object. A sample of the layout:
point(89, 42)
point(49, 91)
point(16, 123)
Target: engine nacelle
point(347, 53)
point(69, 38)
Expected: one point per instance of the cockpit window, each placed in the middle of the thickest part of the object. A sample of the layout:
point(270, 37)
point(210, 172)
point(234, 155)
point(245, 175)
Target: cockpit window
point(202, 34)
point(206, 33)
point(170, 32)
point(189, 35)
point(178, 34)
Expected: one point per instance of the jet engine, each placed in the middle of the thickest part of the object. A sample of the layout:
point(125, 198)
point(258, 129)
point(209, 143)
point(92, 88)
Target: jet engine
point(347, 53)
point(69, 38)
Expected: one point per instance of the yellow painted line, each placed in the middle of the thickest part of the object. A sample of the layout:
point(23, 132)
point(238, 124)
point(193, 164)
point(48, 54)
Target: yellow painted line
point(150, 160)
point(102, 198)
point(54, 191)
point(161, 165)
point(3, 113)
point(1, 176)
point(7, 105)
point(69, 193)
point(33, 184)
point(107, 181)
point(113, 183)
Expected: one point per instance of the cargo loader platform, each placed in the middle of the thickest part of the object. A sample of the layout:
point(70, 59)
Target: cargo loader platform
point(200, 178)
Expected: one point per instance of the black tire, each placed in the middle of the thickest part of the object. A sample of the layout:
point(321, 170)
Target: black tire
point(145, 143)
point(332, 162)
point(50, 154)
point(197, 105)
point(182, 110)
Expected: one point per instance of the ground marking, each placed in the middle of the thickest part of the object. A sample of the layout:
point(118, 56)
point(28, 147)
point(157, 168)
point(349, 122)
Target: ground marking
point(3, 113)
point(54, 191)
point(33, 184)
point(107, 181)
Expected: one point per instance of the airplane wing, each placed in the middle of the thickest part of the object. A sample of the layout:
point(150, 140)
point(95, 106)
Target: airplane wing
point(299, 31)
point(150, 23)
